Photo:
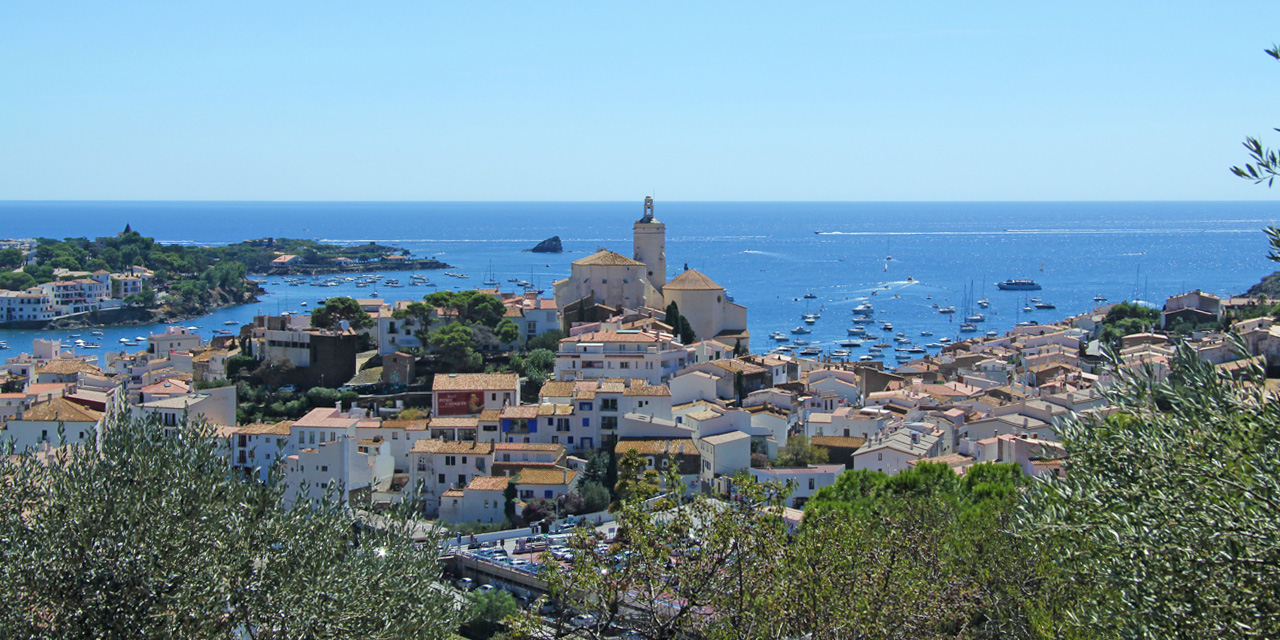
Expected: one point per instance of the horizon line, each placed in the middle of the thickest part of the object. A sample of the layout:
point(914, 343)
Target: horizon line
point(509, 201)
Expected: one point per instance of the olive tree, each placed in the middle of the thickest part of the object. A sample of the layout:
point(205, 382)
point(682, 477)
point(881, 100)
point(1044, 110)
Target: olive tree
point(145, 532)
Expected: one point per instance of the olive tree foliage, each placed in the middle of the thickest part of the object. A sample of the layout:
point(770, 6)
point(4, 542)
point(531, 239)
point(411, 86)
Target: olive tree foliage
point(146, 533)
point(1264, 168)
point(931, 557)
point(1167, 521)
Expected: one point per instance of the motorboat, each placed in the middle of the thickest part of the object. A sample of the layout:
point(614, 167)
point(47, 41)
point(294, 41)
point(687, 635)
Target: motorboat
point(851, 343)
point(934, 345)
point(944, 340)
point(992, 334)
point(800, 330)
point(810, 296)
point(864, 309)
point(975, 318)
point(888, 326)
point(947, 310)
point(810, 351)
point(925, 334)
point(984, 303)
point(809, 319)
point(840, 353)
point(968, 327)
point(1018, 285)
point(1045, 305)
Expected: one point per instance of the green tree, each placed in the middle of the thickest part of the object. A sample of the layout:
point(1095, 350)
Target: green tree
point(16, 280)
point(145, 534)
point(509, 496)
point(335, 310)
point(635, 480)
point(488, 612)
point(548, 340)
point(10, 258)
point(507, 331)
point(456, 345)
point(1164, 524)
point(799, 452)
point(594, 496)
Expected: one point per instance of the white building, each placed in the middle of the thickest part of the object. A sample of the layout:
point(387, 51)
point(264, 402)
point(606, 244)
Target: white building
point(40, 423)
point(625, 353)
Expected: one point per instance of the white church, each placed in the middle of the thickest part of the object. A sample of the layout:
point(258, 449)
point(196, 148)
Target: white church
point(613, 280)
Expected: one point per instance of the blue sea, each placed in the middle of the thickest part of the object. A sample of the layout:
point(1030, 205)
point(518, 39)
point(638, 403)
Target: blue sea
point(768, 255)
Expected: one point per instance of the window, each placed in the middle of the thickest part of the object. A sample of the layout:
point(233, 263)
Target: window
point(324, 469)
point(811, 482)
point(441, 479)
point(464, 459)
point(462, 480)
point(313, 437)
point(608, 404)
point(608, 422)
point(562, 424)
point(879, 456)
point(422, 464)
point(493, 397)
point(586, 422)
point(449, 461)
point(547, 494)
point(624, 365)
point(395, 435)
point(555, 439)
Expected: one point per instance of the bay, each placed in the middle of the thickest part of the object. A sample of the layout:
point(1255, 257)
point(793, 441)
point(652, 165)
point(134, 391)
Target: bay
point(768, 255)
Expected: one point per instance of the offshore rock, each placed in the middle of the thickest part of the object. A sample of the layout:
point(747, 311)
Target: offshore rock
point(550, 245)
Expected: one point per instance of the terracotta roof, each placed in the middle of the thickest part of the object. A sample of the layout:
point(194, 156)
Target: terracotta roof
point(490, 415)
point(167, 385)
point(527, 446)
point(66, 367)
point(454, 422)
point(520, 413)
point(452, 493)
point(692, 280)
point(837, 442)
point(607, 258)
point(325, 418)
point(613, 336)
point(407, 425)
point(259, 429)
point(553, 476)
point(447, 446)
point(474, 381)
point(556, 389)
point(654, 391)
point(60, 409)
point(657, 447)
point(488, 483)
point(548, 409)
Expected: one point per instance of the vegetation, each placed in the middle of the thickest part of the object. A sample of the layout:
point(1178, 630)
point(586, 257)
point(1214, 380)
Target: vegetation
point(680, 324)
point(145, 534)
point(1127, 318)
point(798, 452)
point(488, 612)
point(334, 311)
point(258, 402)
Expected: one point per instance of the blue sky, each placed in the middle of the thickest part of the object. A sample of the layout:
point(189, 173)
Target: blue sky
point(613, 100)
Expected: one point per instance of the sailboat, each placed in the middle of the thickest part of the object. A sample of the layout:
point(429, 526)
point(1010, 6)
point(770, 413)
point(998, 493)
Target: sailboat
point(489, 279)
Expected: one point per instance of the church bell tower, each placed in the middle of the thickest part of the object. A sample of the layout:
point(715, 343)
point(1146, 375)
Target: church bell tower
point(650, 243)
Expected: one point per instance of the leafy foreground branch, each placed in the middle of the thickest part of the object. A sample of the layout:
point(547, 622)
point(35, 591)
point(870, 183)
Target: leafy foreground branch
point(146, 534)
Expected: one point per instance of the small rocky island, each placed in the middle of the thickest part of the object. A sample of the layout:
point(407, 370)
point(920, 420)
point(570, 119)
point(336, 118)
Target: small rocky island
point(550, 245)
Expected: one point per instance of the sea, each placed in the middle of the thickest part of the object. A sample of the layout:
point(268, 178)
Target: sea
point(902, 257)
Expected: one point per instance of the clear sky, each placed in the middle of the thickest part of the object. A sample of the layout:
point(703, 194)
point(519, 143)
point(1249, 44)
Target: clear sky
point(614, 100)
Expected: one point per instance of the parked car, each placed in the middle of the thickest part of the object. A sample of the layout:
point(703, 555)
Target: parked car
point(485, 588)
point(466, 584)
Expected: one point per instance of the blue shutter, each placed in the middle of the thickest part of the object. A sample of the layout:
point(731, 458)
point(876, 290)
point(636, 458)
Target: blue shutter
point(533, 426)
point(506, 425)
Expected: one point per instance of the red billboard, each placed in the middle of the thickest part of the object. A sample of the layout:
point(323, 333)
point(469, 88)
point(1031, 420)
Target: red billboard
point(459, 403)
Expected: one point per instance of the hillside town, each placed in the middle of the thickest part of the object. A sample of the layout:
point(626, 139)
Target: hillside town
point(492, 459)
